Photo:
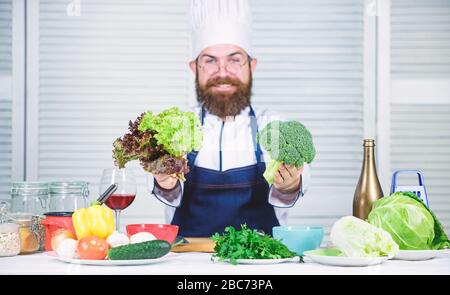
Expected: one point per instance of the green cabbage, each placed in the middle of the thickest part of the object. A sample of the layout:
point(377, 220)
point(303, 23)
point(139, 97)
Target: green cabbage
point(409, 221)
point(355, 237)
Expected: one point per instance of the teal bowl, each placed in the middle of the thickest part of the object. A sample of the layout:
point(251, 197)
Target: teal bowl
point(299, 238)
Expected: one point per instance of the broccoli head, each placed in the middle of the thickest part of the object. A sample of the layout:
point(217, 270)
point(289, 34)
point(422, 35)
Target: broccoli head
point(287, 142)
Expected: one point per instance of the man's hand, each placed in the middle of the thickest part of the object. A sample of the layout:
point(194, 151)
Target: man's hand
point(165, 181)
point(287, 178)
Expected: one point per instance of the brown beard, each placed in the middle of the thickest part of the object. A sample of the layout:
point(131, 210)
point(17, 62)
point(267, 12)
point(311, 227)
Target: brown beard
point(224, 105)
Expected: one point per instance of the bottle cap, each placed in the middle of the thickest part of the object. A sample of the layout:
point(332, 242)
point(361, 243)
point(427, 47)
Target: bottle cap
point(369, 143)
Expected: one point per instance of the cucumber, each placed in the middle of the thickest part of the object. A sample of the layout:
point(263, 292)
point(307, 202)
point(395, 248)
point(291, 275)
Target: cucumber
point(145, 250)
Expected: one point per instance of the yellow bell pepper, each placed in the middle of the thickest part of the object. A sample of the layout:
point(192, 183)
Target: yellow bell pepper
point(96, 220)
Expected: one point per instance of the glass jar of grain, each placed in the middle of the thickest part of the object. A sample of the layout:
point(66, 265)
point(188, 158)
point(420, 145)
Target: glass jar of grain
point(9, 233)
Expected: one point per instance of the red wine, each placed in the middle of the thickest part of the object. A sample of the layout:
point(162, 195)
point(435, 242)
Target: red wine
point(119, 201)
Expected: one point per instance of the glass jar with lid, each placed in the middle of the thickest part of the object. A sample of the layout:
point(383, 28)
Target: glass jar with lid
point(68, 196)
point(9, 239)
point(9, 233)
point(29, 197)
point(29, 241)
point(38, 228)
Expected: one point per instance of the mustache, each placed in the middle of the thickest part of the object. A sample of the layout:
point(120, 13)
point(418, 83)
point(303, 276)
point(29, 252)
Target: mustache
point(222, 80)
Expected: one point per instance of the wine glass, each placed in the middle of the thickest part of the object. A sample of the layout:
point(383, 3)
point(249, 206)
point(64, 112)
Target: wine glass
point(126, 189)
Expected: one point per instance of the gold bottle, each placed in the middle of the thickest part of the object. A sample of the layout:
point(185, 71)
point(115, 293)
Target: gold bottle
point(368, 189)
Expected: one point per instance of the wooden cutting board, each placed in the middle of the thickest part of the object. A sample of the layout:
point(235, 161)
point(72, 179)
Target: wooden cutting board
point(195, 245)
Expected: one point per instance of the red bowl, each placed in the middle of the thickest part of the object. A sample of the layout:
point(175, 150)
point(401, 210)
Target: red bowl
point(55, 222)
point(166, 232)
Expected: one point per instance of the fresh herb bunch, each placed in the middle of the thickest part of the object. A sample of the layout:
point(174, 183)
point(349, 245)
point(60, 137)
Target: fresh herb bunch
point(248, 244)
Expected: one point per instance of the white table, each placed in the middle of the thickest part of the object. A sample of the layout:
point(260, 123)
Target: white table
point(201, 264)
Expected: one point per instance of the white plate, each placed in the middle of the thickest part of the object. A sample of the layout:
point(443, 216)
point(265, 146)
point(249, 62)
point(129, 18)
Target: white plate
point(260, 261)
point(108, 262)
point(417, 255)
point(320, 257)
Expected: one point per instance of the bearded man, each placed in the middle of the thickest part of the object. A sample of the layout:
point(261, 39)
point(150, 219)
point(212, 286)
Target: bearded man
point(225, 185)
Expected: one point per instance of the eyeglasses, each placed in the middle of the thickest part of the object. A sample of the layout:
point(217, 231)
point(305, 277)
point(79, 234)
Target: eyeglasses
point(234, 63)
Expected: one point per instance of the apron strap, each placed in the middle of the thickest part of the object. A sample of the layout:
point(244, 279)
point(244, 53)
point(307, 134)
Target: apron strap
point(193, 155)
point(202, 114)
point(254, 126)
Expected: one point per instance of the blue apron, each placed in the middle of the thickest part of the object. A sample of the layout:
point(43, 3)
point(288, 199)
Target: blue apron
point(213, 200)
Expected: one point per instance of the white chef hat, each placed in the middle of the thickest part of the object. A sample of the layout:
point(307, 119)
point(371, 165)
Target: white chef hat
point(220, 22)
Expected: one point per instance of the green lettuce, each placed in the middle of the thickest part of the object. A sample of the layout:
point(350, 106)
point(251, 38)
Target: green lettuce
point(355, 237)
point(178, 132)
point(160, 142)
point(409, 221)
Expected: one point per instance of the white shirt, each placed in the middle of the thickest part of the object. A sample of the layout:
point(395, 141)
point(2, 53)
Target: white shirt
point(234, 138)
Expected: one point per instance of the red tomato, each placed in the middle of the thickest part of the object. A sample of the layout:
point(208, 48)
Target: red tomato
point(92, 248)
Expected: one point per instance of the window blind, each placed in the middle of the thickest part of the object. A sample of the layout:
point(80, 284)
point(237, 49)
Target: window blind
point(420, 43)
point(420, 49)
point(5, 97)
point(96, 72)
point(5, 36)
